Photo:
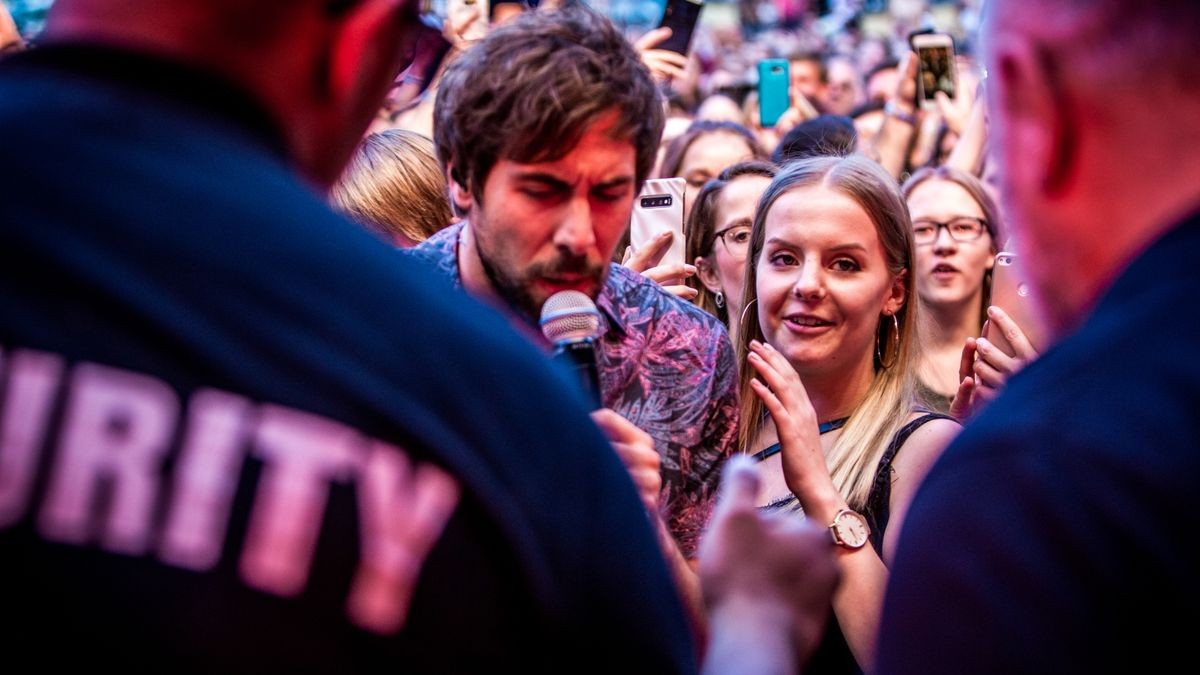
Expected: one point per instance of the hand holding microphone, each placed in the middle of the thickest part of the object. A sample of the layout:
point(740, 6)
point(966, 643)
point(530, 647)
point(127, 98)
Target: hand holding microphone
point(571, 322)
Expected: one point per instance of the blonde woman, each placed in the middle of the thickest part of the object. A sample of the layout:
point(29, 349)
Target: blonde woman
point(828, 400)
point(394, 187)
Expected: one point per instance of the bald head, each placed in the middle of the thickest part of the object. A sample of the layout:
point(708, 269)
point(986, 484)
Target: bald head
point(1089, 107)
point(1110, 43)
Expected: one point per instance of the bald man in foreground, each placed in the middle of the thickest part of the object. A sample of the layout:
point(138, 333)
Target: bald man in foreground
point(227, 445)
point(1058, 533)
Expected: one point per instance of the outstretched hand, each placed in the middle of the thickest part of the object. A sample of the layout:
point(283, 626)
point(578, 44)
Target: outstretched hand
point(767, 581)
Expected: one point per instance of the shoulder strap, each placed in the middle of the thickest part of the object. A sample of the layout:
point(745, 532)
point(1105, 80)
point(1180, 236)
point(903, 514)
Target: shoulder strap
point(906, 431)
point(876, 511)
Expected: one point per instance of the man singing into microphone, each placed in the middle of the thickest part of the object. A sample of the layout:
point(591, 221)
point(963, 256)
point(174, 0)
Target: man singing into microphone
point(546, 129)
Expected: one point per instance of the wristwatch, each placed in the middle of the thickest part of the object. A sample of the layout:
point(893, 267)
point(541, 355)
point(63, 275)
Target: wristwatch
point(849, 529)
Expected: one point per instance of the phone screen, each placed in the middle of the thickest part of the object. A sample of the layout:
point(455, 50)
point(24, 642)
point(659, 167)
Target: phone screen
point(681, 16)
point(936, 70)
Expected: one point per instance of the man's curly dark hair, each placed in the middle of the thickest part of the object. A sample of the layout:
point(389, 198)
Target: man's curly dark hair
point(529, 90)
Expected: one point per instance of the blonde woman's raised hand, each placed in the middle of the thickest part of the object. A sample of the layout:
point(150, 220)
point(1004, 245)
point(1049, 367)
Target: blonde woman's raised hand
point(779, 387)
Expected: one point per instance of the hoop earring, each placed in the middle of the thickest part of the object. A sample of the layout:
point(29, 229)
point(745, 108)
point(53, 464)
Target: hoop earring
point(895, 345)
point(745, 310)
point(719, 299)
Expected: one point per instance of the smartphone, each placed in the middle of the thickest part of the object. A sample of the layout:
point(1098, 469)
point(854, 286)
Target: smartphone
point(478, 28)
point(774, 93)
point(681, 16)
point(659, 207)
point(935, 67)
point(1013, 293)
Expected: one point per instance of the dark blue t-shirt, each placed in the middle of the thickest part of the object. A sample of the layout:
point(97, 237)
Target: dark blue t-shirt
point(239, 434)
point(1058, 533)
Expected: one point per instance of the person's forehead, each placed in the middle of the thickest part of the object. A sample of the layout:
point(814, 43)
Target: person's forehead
point(600, 149)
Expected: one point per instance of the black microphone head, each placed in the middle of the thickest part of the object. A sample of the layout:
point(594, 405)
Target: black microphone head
point(569, 316)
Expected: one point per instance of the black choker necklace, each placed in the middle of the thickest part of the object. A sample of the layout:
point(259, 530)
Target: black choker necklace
point(824, 428)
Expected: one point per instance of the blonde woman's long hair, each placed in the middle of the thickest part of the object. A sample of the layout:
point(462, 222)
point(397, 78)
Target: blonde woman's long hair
point(853, 459)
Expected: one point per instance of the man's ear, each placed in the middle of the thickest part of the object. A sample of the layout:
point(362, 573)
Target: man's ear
point(1039, 140)
point(460, 195)
point(707, 274)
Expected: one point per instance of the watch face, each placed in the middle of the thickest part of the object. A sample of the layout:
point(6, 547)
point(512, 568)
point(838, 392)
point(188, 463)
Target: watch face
point(850, 529)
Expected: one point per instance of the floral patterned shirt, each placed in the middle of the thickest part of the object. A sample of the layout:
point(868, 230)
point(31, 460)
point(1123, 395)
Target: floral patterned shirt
point(668, 367)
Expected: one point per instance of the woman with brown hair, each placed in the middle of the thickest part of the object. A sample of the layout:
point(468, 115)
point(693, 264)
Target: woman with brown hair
point(957, 230)
point(718, 238)
point(706, 149)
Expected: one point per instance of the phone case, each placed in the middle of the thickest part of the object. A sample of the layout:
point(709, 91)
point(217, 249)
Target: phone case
point(773, 90)
point(659, 207)
point(1012, 293)
point(681, 16)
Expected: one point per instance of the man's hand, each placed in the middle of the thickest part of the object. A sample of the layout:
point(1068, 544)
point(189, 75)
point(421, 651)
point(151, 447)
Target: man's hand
point(637, 453)
point(767, 581)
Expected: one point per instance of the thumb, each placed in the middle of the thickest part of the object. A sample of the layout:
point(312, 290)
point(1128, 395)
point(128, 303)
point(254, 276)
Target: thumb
point(960, 407)
point(739, 486)
point(653, 38)
point(650, 254)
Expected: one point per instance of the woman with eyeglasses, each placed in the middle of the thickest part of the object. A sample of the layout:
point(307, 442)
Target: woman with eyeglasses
point(956, 232)
point(718, 236)
point(829, 405)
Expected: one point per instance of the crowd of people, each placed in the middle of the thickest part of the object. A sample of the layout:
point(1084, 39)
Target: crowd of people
point(274, 393)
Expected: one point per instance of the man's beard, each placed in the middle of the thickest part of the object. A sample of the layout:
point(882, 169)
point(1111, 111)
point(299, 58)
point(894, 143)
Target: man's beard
point(517, 291)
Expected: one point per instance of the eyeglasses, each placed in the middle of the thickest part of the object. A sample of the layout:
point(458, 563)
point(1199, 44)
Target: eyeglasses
point(737, 240)
point(962, 229)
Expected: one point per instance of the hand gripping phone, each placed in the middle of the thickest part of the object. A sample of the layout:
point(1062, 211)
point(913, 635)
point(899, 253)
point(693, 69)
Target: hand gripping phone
point(1013, 293)
point(681, 16)
point(659, 208)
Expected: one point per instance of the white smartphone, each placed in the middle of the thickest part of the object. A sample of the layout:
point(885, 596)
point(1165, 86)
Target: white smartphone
point(1014, 294)
point(936, 69)
point(478, 28)
point(659, 207)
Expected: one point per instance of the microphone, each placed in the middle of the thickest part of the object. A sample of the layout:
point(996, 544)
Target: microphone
point(571, 322)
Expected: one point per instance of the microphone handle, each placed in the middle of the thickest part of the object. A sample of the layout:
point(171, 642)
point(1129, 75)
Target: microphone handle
point(579, 356)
